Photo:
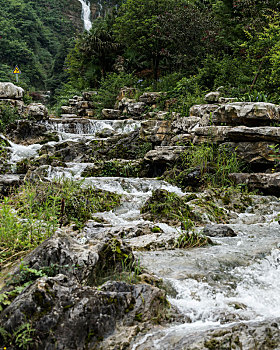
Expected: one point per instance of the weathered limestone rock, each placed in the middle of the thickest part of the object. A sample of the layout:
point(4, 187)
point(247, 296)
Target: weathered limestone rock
point(184, 125)
point(204, 112)
point(257, 154)
point(127, 92)
point(164, 154)
point(68, 110)
point(258, 335)
point(155, 131)
point(131, 108)
point(111, 113)
point(244, 133)
point(218, 231)
point(211, 134)
point(11, 91)
point(266, 183)
point(227, 99)
point(59, 306)
point(67, 116)
point(150, 98)
point(246, 113)
point(212, 97)
point(37, 111)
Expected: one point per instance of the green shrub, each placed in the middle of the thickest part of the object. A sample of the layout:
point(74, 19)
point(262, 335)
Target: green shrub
point(8, 115)
point(110, 88)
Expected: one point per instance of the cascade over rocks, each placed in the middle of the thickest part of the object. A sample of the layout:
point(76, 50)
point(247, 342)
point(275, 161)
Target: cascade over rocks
point(77, 294)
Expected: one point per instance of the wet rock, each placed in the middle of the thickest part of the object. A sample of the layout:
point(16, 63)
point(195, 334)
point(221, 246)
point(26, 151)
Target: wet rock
point(266, 183)
point(9, 182)
point(212, 97)
point(66, 116)
point(10, 91)
point(37, 111)
point(218, 231)
point(246, 113)
point(84, 262)
point(30, 132)
point(59, 306)
point(261, 335)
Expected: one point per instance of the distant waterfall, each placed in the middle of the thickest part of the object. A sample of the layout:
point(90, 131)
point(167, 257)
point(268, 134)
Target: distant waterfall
point(100, 8)
point(86, 14)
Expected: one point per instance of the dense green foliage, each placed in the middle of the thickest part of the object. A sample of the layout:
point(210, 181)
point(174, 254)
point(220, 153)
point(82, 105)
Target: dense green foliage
point(204, 44)
point(33, 36)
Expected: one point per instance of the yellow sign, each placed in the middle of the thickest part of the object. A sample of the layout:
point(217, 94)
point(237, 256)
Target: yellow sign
point(16, 70)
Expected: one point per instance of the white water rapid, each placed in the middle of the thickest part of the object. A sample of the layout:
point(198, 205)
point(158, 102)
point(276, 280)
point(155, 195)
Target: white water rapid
point(234, 281)
point(86, 14)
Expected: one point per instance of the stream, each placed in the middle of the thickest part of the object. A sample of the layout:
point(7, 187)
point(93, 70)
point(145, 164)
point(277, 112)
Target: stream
point(236, 280)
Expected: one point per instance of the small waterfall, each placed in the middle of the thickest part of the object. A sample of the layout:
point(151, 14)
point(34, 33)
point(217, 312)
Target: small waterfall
point(100, 8)
point(86, 14)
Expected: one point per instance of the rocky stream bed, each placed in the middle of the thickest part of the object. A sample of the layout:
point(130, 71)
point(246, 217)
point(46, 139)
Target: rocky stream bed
point(224, 295)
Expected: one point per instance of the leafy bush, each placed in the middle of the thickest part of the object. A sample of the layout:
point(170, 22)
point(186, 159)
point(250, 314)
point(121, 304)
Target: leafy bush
point(8, 115)
point(110, 88)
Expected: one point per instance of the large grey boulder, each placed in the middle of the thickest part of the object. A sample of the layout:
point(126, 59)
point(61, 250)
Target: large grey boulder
point(266, 183)
point(68, 316)
point(11, 91)
point(37, 111)
point(246, 113)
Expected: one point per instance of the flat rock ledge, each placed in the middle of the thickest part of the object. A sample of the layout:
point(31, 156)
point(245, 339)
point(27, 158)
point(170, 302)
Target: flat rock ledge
point(266, 183)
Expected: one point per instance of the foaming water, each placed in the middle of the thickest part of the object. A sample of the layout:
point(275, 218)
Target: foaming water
point(246, 294)
point(20, 152)
point(87, 129)
point(86, 14)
